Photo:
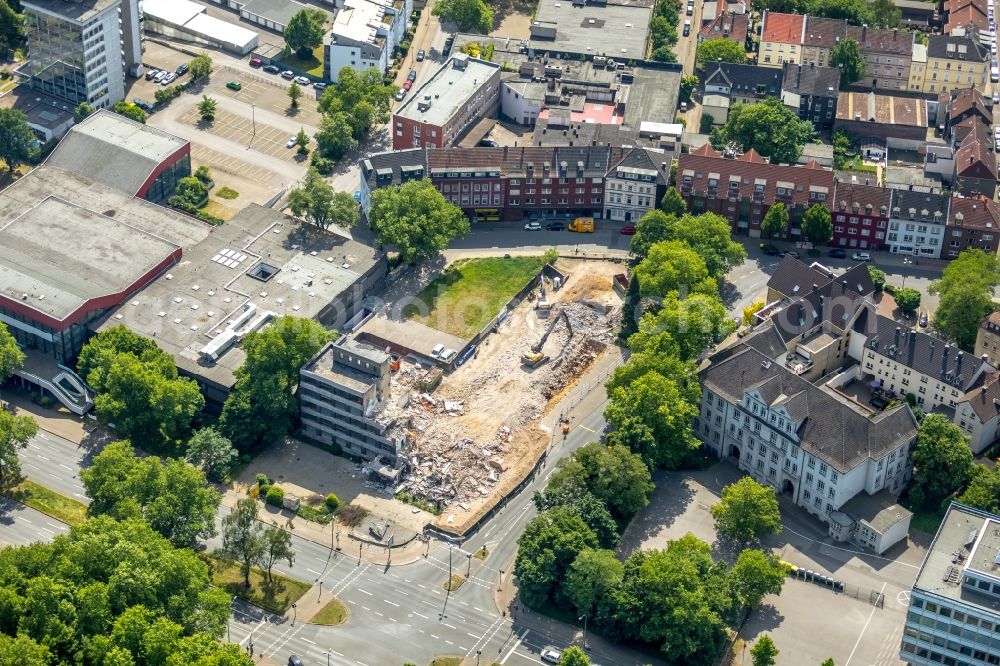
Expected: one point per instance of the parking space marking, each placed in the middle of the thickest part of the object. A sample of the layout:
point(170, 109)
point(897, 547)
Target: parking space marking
point(864, 629)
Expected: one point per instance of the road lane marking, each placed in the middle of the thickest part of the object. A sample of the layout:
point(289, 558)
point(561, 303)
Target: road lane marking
point(419, 614)
point(365, 592)
point(448, 642)
point(450, 626)
point(473, 635)
point(24, 519)
point(586, 428)
point(379, 614)
point(391, 603)
point(66, 467)
point(864, 629)
point(308, 641)
point(516, 644)
point(437, 638)
point(318, 573)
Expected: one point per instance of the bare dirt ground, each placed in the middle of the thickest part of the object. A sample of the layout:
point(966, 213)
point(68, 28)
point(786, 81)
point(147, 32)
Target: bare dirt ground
point(515, 24)
point(471, 455)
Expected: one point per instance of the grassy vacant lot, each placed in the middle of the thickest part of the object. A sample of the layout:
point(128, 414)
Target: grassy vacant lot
point(277, 596)
point(58, 506)
point(312, 66)
point(469, 293)
point(331, 614)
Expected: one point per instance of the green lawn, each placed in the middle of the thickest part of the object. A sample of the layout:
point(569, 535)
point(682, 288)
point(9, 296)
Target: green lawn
point(464, 298)
point(227, 193)
point(312, 66)
point(58, 506)
point(923, 519)
point(447, 661)
point(276, 596)
point(332, 613)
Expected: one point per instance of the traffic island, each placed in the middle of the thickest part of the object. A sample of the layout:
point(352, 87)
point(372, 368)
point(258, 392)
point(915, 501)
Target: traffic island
point(332, 614)
point(454, 583)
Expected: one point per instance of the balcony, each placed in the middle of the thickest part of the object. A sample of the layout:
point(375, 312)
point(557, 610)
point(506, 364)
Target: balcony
point(798, 363)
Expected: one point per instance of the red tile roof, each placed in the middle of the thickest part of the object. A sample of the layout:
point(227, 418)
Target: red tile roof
point(783, 28)
point(856, 198)
point(727, 25)
point(975, 159)
point(977, 212)
point(750, 172)
point(964, 12)
point(968, 99)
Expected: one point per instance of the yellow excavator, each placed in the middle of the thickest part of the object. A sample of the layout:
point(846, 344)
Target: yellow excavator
point(535, 357)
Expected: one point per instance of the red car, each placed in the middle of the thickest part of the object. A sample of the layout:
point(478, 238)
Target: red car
point(628, 230)
point(407, 85)
point(255, 62)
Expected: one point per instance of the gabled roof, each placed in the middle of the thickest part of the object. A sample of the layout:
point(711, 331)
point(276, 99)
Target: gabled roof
point(976, 213)
point(969, 101)
point(811, 80)
point(874, 40)
point(783, 28)
point(861, 199)
point(727, 25)
point(953, 47)
point(640, 158)
point(823, 32)
point(751, 79)
point(792, 278)
point(751, 170)
point(975, 159)
point(831, 428)
point(932, 203)
point(985, 400)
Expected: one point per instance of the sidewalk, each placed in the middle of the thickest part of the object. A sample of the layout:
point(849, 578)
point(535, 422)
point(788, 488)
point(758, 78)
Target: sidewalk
point(60, 423)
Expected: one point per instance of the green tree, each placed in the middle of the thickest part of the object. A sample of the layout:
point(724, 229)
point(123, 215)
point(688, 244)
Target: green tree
point(878, 277)
point(243, 537)
point(549, 544)
point(942, 461)
point(11, 356)
point(769, 127)
point(11, 26)
point(261, 406)
point(302, 141)
point(200, 66)
point(672, 203)
point(688, 85)
point(651, 417)
point(189, 191)
point(775, 221)
point(277, 547)
point(764, 652)
point(710, 236)
point(693, 323)
point(304, 31)
point(207, 107)
point(673, 266)
point(415, 219)
point(653, 227)
point(747, 511)
point(720, 50)
point(354, 87)
point(574, 656)
point(907, 299)
point(17, 140)
point(15, 432)
point(846, 55)
point(817, 225)
point(335, 137)
point(755, 575)
point(591, 578)
point(467, 15)
point(320, 205)
point(614, 474)
point(884, 13)
point(170, 495)
point(130, 110)
point(23, 651)
point(294, 93)
point(983, 491)
point(828, 662)
point(854, 11)
point(966, 288)
point(211, 452)
point(81, 111)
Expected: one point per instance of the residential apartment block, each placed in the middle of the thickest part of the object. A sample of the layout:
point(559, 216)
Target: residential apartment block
point(635, 185)
point(860, 215)
point(917, 223)
point(81, 51)
point(813, 91)
point(457, 95)
point(781, 38)
point(953, 615)
point(988, 339)
point(953, 61)
point(365, 34)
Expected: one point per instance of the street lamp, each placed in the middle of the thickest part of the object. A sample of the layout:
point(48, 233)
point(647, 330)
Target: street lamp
point(500, 582)
point(295, 613)
point(320, 581)
point(253, 120)
point(469, 574)
point(478, 653)
point(327, 653)
point(906, 262)
point(584, 618)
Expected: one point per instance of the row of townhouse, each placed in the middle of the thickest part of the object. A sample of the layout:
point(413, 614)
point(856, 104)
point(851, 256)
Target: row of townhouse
point(864, 216)
point(895, 61)
point(517, 183)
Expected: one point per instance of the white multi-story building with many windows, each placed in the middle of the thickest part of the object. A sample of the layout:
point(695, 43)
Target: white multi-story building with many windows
point(636, 184)
point(917, 223)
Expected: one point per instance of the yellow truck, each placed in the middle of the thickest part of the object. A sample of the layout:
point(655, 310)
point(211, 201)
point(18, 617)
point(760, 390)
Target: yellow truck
point(583, 225)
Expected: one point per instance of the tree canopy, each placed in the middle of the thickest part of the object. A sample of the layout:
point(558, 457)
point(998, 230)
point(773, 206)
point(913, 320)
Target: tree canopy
point(170, 495)
point(15, 433)
point(775, 221)
point(11, 356)
point(320, 205)
point(574, 656)
point(720, 50)
point(130, 110)
point(549, 544)
point(673, 265)
point(304, 31)
point(942, 461)
point(983, 492)
point(693, 323)
point(847, 55)
point(764, 652)
point(673, 203)
point(747, 511)
point(207, 108)
point(17, 140)
point(907, 299)
point(211, 452)
point(769, 127)
point(200, 65)
point(261, 405)
point(415, 219)
point(755, 575)
point(817, 224)
point(966, 288)
point(467, 15)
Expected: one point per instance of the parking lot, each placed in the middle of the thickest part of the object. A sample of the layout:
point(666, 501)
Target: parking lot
point(268, 92)
point(258, 135)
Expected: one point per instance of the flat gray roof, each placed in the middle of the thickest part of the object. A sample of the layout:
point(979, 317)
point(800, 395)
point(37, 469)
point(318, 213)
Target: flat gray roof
point(73, 10)
point(191, 304)
point(56, 256)
point(279, 11)
point(42, 110)
point(880, 510)
point(114, 150)
point(323, 366)
point(449, 88)
point(651, 97)
point(969, 532)
point(617, 31)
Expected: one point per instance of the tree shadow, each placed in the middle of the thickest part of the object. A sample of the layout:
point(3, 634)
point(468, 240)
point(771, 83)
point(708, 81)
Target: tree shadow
point(672, 499)
point(292, 111)
point(766, 618)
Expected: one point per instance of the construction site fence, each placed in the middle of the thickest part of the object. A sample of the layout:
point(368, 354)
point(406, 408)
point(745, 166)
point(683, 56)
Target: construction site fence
point(583, 389)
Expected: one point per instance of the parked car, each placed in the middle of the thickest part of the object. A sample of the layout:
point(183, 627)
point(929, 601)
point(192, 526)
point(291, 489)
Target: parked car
point(628, 230)
point(861, 256)
point(319, 85)
point(357, 195)
point(837, 254)
point(151, 73)
point(489, 143)
point(550, 655)
point(288, 75)
point(555, 226)
point(256, 62)
point(684, 106)
point(412, 76)
point(168, 79)
point(291, 142)
point(793, 253)
point(142, 104)
point(159, 76)
point(421, 55)
point(271, 69)
point(448, 43)
point(769, 250)
point(181, 69)
point(407, 85)
point(302, 80)
point(294, 661)
point(533, 226)
point(400, 94)
point(923, 319)
point(466, 355)
point(234, 85)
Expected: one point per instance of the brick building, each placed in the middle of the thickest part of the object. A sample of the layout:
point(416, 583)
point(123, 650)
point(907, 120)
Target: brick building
point(860, 215)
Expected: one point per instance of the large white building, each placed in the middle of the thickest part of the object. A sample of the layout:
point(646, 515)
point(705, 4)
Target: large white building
point(81, 50)
point(917, 223)
point(365, 34)
point(635, 185)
